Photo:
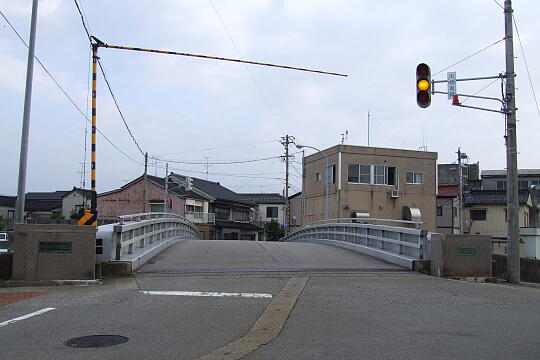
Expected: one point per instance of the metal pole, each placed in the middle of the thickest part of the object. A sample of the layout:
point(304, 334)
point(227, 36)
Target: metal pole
point(287, 202)
point(93, 203)
point(511, 153)
point(145, 182)
point(303, 214)
point(325, 188)
point(460, 192)
point(166, 197)
point(21, 189)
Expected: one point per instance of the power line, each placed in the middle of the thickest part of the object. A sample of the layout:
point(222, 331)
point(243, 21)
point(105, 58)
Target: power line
point(118, 107)
point(217, 163)
point(482, 89)
point(272, 113)
point(526, 65)
point(219, 148)
point(470, 56)
point(82, 19)
point(64, 92)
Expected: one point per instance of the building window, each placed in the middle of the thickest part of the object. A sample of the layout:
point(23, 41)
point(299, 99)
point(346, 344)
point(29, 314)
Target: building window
point(317, 176)
point(222, 213)
point(353, 174)
point(439, 210)
point(99, 246)
point(535, 182)
point(241, 216)
point(384, 175)
point(501, 184)
point(272, 212)
point(478, 214)
point(523, 184)
point(414, 177)
point(190, 208)
point(526, 219)
point(331, 172)
point(157, 207)
point(454, 211)
point(359, 174)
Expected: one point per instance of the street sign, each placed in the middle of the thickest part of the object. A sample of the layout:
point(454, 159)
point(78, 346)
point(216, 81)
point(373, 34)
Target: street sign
point(452, 88)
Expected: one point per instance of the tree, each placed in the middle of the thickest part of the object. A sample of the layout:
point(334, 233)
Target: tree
point(273, 231)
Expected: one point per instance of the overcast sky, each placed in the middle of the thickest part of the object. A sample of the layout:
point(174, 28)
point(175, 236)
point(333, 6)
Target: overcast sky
point(190, 109)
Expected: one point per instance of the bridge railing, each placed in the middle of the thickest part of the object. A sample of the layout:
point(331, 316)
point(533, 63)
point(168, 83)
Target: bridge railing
point(397, 241)
point(138, 237)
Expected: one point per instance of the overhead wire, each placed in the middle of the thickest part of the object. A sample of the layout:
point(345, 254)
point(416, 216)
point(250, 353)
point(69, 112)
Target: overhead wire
point(526, 66)
point(265, 100)
point(468, 57)
point(218, 148)
point(118, 107)
point(65, 93)
point(482, 89)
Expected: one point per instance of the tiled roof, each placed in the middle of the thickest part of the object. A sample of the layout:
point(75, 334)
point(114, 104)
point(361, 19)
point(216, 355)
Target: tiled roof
point(522, 172)
point(178, 190)
point(263, 198)
point(8, 201)
point(237, 225)
point(216, 190)
point(42, 205)
point(492, 197)
point(55, 195)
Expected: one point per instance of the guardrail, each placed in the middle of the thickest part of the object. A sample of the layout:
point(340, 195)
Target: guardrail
point(137, 238)
point(400, 245)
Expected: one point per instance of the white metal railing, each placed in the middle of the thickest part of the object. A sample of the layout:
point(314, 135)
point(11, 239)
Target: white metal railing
point(397, 244)
point(138, 237)
point(201, 217)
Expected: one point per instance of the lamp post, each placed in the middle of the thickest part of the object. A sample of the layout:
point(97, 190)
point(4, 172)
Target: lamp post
point(325, 177)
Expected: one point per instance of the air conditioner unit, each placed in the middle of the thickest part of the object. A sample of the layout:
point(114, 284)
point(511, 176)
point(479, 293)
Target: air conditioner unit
point(394, 194)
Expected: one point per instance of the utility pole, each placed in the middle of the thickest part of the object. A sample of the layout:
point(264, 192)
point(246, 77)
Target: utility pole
point(511, 152)
point(166, 197)
point(21, 189)
point(286, 141)
point(460, 172)
point(145, 182)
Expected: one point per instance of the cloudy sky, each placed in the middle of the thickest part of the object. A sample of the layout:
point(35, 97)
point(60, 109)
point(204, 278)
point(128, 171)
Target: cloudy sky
point(183, 109)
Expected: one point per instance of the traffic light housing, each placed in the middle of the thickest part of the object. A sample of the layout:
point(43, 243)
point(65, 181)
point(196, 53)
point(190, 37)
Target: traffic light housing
point(423, 85)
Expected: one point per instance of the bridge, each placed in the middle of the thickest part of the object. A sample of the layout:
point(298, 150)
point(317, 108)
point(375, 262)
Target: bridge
point(297, 299)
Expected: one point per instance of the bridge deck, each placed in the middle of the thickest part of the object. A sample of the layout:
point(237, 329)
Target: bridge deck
point(195, 256)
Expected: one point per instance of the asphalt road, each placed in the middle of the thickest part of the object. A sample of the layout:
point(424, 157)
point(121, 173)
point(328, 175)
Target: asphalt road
point(327, 303)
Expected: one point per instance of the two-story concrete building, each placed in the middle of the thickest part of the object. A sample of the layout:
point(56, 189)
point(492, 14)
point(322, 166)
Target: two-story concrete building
point(270, 206)
point(384, 183)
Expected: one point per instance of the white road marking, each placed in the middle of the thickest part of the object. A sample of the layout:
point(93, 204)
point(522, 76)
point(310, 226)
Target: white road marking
point(208, 294)
point(39, 312)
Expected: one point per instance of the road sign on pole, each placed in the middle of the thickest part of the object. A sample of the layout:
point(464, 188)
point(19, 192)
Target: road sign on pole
point(452, 89)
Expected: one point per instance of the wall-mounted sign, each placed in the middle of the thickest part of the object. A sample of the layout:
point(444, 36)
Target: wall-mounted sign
point(466, 251)
point(57, 247)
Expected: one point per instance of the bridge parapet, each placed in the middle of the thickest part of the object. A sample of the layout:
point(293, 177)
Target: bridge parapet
point(397, 241)
point(137, 238)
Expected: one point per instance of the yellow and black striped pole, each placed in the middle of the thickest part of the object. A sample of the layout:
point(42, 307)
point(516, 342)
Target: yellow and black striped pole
point(90, 216)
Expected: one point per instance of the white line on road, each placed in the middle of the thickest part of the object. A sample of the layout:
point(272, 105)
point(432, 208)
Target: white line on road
point(208, 294)
point(39, 312)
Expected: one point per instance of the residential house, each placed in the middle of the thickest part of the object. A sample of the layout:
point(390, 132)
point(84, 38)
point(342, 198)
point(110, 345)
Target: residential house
point(7, 210)
point(270, 206)
point(130, 199)
point(384, 183)
point(76, 200)
point(496, 179)
point(485, 214)
point(296, 205)
point(233, 216)
point(43, 205)
point(448, 193)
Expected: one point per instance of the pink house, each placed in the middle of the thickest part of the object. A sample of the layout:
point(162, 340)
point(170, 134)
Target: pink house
point(129, 199)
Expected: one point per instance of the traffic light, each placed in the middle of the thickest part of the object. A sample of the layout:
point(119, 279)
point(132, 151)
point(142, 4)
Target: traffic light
point(423, 85)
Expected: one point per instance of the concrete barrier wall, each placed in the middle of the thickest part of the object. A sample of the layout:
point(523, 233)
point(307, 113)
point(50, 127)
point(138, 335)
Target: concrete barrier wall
point(54, 252)
point(529, 268)
point(461, 255)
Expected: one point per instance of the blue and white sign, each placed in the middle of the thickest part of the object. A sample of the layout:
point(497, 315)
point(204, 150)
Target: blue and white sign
point(452, 88)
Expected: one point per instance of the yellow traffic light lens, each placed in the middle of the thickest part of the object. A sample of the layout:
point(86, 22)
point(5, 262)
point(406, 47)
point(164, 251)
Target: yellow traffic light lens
point(423, 85)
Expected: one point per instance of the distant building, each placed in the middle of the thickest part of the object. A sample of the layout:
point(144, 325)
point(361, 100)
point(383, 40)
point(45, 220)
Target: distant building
point(496, 179)
point(296, 204)
point(75, 200)
point(384, 183)
point(270, 206)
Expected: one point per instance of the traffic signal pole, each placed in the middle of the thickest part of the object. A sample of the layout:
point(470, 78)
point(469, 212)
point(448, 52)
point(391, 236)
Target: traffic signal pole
point(511, 153)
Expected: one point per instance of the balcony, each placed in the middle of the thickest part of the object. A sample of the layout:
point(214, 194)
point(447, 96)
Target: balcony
point(200, 217)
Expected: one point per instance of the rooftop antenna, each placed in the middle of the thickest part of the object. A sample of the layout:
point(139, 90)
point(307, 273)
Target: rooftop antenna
point(206, 166)
point(344, 137)
point(368, 118)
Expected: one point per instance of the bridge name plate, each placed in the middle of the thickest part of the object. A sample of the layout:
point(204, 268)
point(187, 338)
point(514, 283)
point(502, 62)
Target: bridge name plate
point(56, 247)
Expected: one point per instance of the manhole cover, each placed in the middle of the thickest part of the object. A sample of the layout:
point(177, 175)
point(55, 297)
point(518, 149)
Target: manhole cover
point(96, 341)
